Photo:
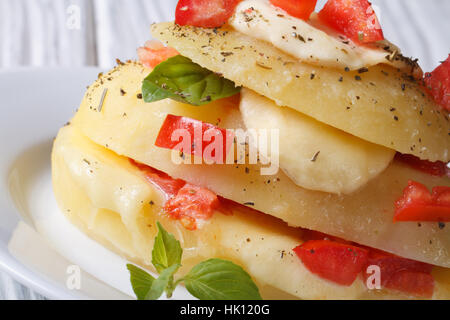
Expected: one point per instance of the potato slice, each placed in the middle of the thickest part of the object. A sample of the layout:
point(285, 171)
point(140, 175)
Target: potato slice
point(381, 105)
point(109, 199)
point(129, 127)
point(314, 155)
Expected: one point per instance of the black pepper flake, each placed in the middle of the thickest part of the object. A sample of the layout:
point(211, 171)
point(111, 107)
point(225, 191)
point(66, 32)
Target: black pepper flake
point(347, 69)
point(122, 92)
point(247, 170)
point(363, 70)
point(441, 225)
point(312, 251)
point(298, 36)
point(395, 118)
point(249, 204)
point(259, 64)
point(312, 76)
point(392, 109)
point(403, 87)
point(341, 79)
point(139, 95)
point(314, 159)
point(358, 78)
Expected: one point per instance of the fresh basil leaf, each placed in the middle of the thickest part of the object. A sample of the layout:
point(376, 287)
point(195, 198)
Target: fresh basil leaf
point(164, 281)
point(166, 250)
point(141, 281)
point(218, 279)
point(180, 79)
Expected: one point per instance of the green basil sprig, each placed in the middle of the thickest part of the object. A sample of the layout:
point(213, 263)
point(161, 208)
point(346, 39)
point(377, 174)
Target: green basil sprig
point(214, 279)
point(180, 79)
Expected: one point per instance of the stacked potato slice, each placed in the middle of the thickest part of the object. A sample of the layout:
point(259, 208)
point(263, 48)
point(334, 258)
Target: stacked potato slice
point(356, 121)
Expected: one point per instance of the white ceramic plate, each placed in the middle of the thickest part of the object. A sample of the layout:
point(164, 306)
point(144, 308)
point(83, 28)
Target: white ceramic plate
point(38, 246)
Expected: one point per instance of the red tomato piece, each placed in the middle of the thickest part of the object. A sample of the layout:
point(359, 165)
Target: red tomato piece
point(337, 262)
point(204, 13)
point(186, 202)
point(355, 19)
point(438, 84)
point(415, 283)
point(405, 275)
point(190, 204)
point(390, 263)
point(161, 180)
point(201, 137)
point(154, 52)
point(417, 204)
point(301, 9)
point(438, 168)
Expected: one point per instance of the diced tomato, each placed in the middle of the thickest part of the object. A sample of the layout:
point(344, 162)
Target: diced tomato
point(186, 202)
point(438, 168)
point(301, 9)
point(154, 52)
point(204, 13)
point(438, 84)
point(390, 263)
point(190, 204)
point(415, 283)
point(161, 180)
point(176, 130)
point(337, 262)
point(417, 204)
point(355, 19)
point(405, 275)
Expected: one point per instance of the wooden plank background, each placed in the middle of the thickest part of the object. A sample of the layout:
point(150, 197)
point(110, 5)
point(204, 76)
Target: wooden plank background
point(45, 33)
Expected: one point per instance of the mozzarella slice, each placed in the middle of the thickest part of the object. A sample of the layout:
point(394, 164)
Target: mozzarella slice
point(314, 155)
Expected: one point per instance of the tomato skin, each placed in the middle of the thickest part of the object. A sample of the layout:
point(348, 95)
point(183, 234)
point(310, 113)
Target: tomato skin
point(301, 9)
point(154, 52)
point(204, 13)
point(404, 275)
point(337, 262)
point(190, 204)
point(438, 84)
point(418, 205)
point(196, 130)
point(438, 168)
point(355, 19)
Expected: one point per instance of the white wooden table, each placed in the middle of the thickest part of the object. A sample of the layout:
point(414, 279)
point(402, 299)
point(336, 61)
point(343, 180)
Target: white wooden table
point(46, 33)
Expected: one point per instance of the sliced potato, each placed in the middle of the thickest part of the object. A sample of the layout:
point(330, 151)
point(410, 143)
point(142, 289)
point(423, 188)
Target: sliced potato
point(314, 155)
point(380, 106)
point(129, 127)
point(109, 199)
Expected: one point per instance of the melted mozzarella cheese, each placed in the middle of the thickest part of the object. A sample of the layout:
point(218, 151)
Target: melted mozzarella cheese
point(311, 41)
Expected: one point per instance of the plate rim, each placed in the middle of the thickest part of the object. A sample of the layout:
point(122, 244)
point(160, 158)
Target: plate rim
point(9, 264)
